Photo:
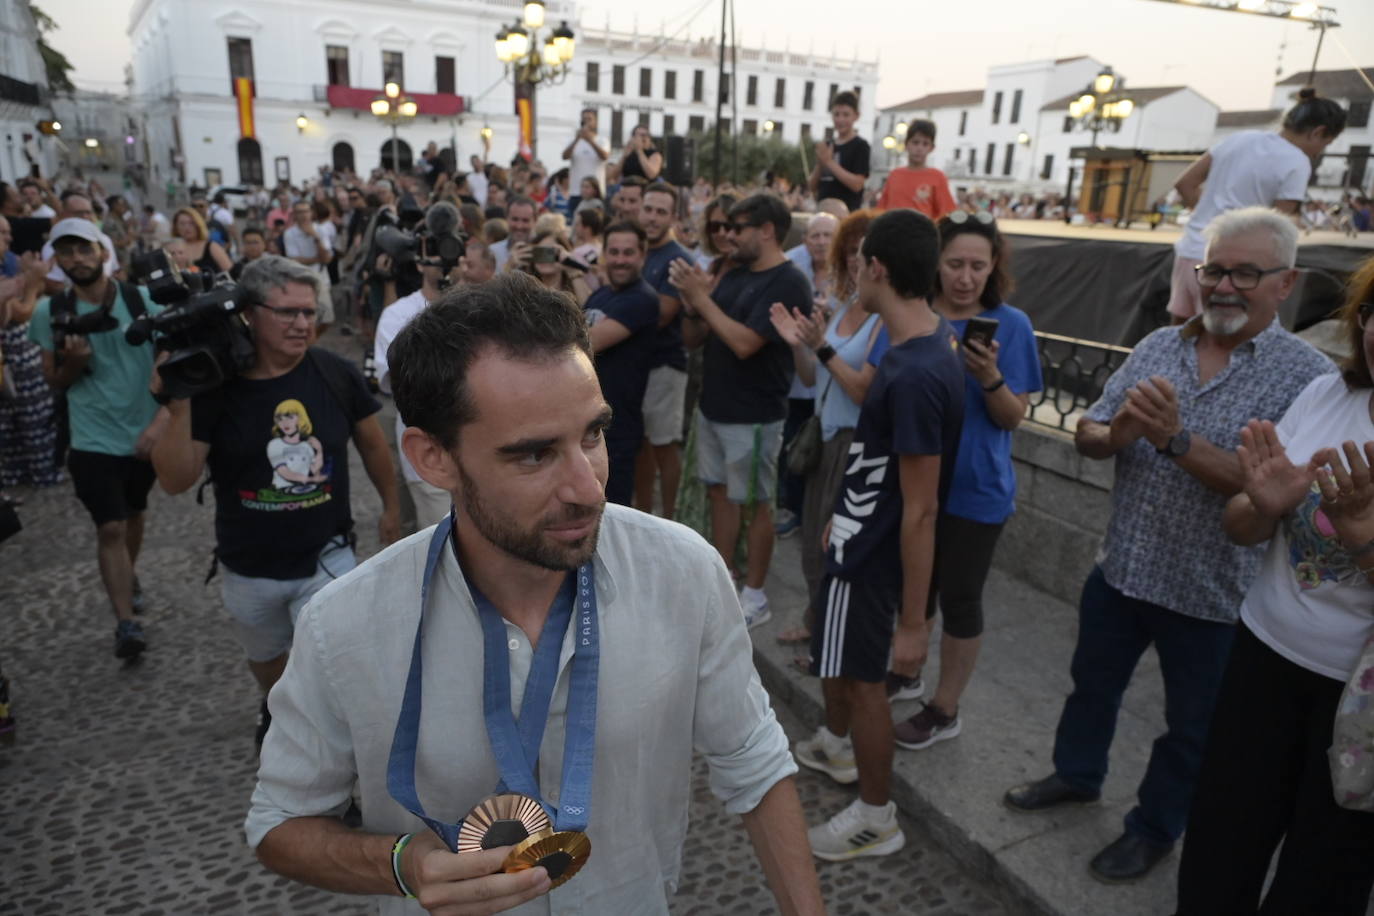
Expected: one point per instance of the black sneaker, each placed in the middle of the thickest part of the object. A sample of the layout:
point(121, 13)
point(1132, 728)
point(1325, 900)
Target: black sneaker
point(129, 640)
point(900, 687)
point(137, 603)
point(264, 723)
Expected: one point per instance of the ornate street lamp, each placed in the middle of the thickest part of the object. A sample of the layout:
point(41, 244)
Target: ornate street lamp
point(1104, 105)
point(394, 106)
point(530, 61)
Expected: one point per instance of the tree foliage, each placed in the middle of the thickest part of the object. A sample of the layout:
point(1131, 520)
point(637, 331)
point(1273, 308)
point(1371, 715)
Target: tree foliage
point(746, 158)
point(58, 68)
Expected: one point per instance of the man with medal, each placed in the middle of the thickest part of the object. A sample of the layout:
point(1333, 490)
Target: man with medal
point(518, 691)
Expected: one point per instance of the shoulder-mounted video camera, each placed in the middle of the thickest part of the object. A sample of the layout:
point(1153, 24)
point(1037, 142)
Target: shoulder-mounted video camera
point(201, 328)
point(437, 242)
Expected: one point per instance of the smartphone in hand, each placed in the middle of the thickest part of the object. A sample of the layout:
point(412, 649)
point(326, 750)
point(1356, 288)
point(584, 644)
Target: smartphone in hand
point(982, 330)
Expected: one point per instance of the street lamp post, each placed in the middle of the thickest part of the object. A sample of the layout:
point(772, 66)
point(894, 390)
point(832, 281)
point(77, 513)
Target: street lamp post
point(393, 106)
point(1104, 105)
point(530, 62)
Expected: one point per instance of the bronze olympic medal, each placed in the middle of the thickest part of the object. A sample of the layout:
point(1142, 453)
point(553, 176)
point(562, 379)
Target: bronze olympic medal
point(502, 820)
point(562, 854)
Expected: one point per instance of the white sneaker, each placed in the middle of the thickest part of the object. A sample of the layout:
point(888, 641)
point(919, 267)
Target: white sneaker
point(756, 611)
point(828, 754)
point(853, 833)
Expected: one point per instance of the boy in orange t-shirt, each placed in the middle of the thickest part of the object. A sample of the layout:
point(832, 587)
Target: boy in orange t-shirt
point(914, 186)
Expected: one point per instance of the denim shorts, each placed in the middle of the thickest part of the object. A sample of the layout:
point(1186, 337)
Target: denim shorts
point(264, 611)
point(742, 456)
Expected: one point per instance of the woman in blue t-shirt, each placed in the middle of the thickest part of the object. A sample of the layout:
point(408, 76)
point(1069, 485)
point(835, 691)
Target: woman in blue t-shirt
point(972, 281)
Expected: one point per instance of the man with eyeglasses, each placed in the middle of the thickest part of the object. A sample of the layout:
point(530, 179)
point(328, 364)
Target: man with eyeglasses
point(276, 442)
point(1167, 575)
point(747, 370)
point(111, 416)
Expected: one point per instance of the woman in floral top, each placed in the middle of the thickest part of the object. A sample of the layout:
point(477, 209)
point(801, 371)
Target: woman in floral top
point(1265, 775)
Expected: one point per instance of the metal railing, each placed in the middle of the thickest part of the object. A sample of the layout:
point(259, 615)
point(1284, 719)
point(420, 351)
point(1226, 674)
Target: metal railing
point(1075, 372)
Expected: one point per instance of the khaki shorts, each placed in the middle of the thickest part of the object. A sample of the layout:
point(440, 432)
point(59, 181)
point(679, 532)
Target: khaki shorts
point(665, 400)
point(742, 456)
point(1185, 295)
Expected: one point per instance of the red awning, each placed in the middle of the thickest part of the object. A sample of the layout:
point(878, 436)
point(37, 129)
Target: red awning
point(436, 104)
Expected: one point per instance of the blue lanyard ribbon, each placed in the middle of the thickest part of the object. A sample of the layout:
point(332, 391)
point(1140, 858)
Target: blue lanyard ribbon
point(515, 745)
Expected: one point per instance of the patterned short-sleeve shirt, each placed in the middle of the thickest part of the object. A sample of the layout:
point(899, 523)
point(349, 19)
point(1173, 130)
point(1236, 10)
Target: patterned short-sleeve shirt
point(1164, 542)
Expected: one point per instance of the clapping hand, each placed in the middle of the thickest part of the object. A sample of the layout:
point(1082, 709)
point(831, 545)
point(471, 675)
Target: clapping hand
point(796, 328)
point(689, 279)
point(1153, 404)
point(825, 153)
point(1274, 484)
point(1347, 491)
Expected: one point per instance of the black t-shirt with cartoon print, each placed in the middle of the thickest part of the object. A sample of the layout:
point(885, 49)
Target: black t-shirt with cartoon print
point(279, 461)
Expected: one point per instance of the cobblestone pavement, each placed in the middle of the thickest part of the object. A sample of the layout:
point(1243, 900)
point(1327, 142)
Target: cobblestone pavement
point(126, 788)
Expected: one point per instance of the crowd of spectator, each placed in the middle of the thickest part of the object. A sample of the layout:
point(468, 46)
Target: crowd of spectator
point(839, 361)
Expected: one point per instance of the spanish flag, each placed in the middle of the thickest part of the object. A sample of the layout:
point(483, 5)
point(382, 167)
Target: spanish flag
point(243, 93)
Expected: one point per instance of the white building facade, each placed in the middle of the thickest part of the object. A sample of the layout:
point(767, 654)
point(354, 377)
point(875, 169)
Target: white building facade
point(24, 97)
point(314, 66)
point(671, 86)
point(1015, 134)
point(317, 63)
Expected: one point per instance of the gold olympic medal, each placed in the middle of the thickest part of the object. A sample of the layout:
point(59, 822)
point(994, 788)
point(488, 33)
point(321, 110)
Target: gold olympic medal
point(502, 820)
point(562, 854)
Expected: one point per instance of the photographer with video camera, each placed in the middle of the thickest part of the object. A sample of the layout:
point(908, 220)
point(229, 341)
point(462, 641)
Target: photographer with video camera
point(275, 438)
point(439, 251)
point(112, 417)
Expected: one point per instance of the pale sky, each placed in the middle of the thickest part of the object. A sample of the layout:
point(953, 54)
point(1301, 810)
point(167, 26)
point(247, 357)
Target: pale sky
point(932, 46)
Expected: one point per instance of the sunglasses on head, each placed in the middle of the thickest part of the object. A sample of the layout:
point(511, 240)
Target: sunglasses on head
point(959, 217)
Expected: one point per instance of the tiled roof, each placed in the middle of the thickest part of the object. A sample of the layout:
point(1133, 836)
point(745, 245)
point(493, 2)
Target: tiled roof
point(1140, 96)
point(1333, 84)
point(965, 99)
point(1260, 118)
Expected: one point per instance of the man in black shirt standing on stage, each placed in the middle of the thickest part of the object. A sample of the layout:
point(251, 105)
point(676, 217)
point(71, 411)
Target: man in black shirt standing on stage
point(842, 163)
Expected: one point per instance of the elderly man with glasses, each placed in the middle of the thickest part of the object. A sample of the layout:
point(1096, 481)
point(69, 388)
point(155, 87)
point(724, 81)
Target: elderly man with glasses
point(276, 442)
point(1167, 575)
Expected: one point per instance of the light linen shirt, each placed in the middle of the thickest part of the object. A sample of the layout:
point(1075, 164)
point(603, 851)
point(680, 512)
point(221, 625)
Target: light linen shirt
point(676, 674)
point(1164, 541)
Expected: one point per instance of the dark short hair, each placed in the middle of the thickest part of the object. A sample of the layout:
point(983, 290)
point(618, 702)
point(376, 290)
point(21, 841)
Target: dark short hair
point(253, 230)
point(491, 213)
point(634, 229)
point(845, 97)
point(113, 199)
point(662, 187)
point(765, 208)
point(592, 218)
point(634, 181)
point(1312, 111)
point(922, 128)
point(430, 358)
point(907, 244)
point(74, 192)
point(999, 283)
point(221, 197)
point(514, 202)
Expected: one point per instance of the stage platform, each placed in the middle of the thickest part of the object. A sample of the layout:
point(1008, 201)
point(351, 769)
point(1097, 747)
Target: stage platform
point(1111, 285)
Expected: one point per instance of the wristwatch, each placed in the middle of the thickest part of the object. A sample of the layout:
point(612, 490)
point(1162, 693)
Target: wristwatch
point(1178, 444)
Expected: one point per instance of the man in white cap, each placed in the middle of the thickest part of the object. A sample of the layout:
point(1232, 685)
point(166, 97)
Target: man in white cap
point(111, 413)
point(76, 204)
